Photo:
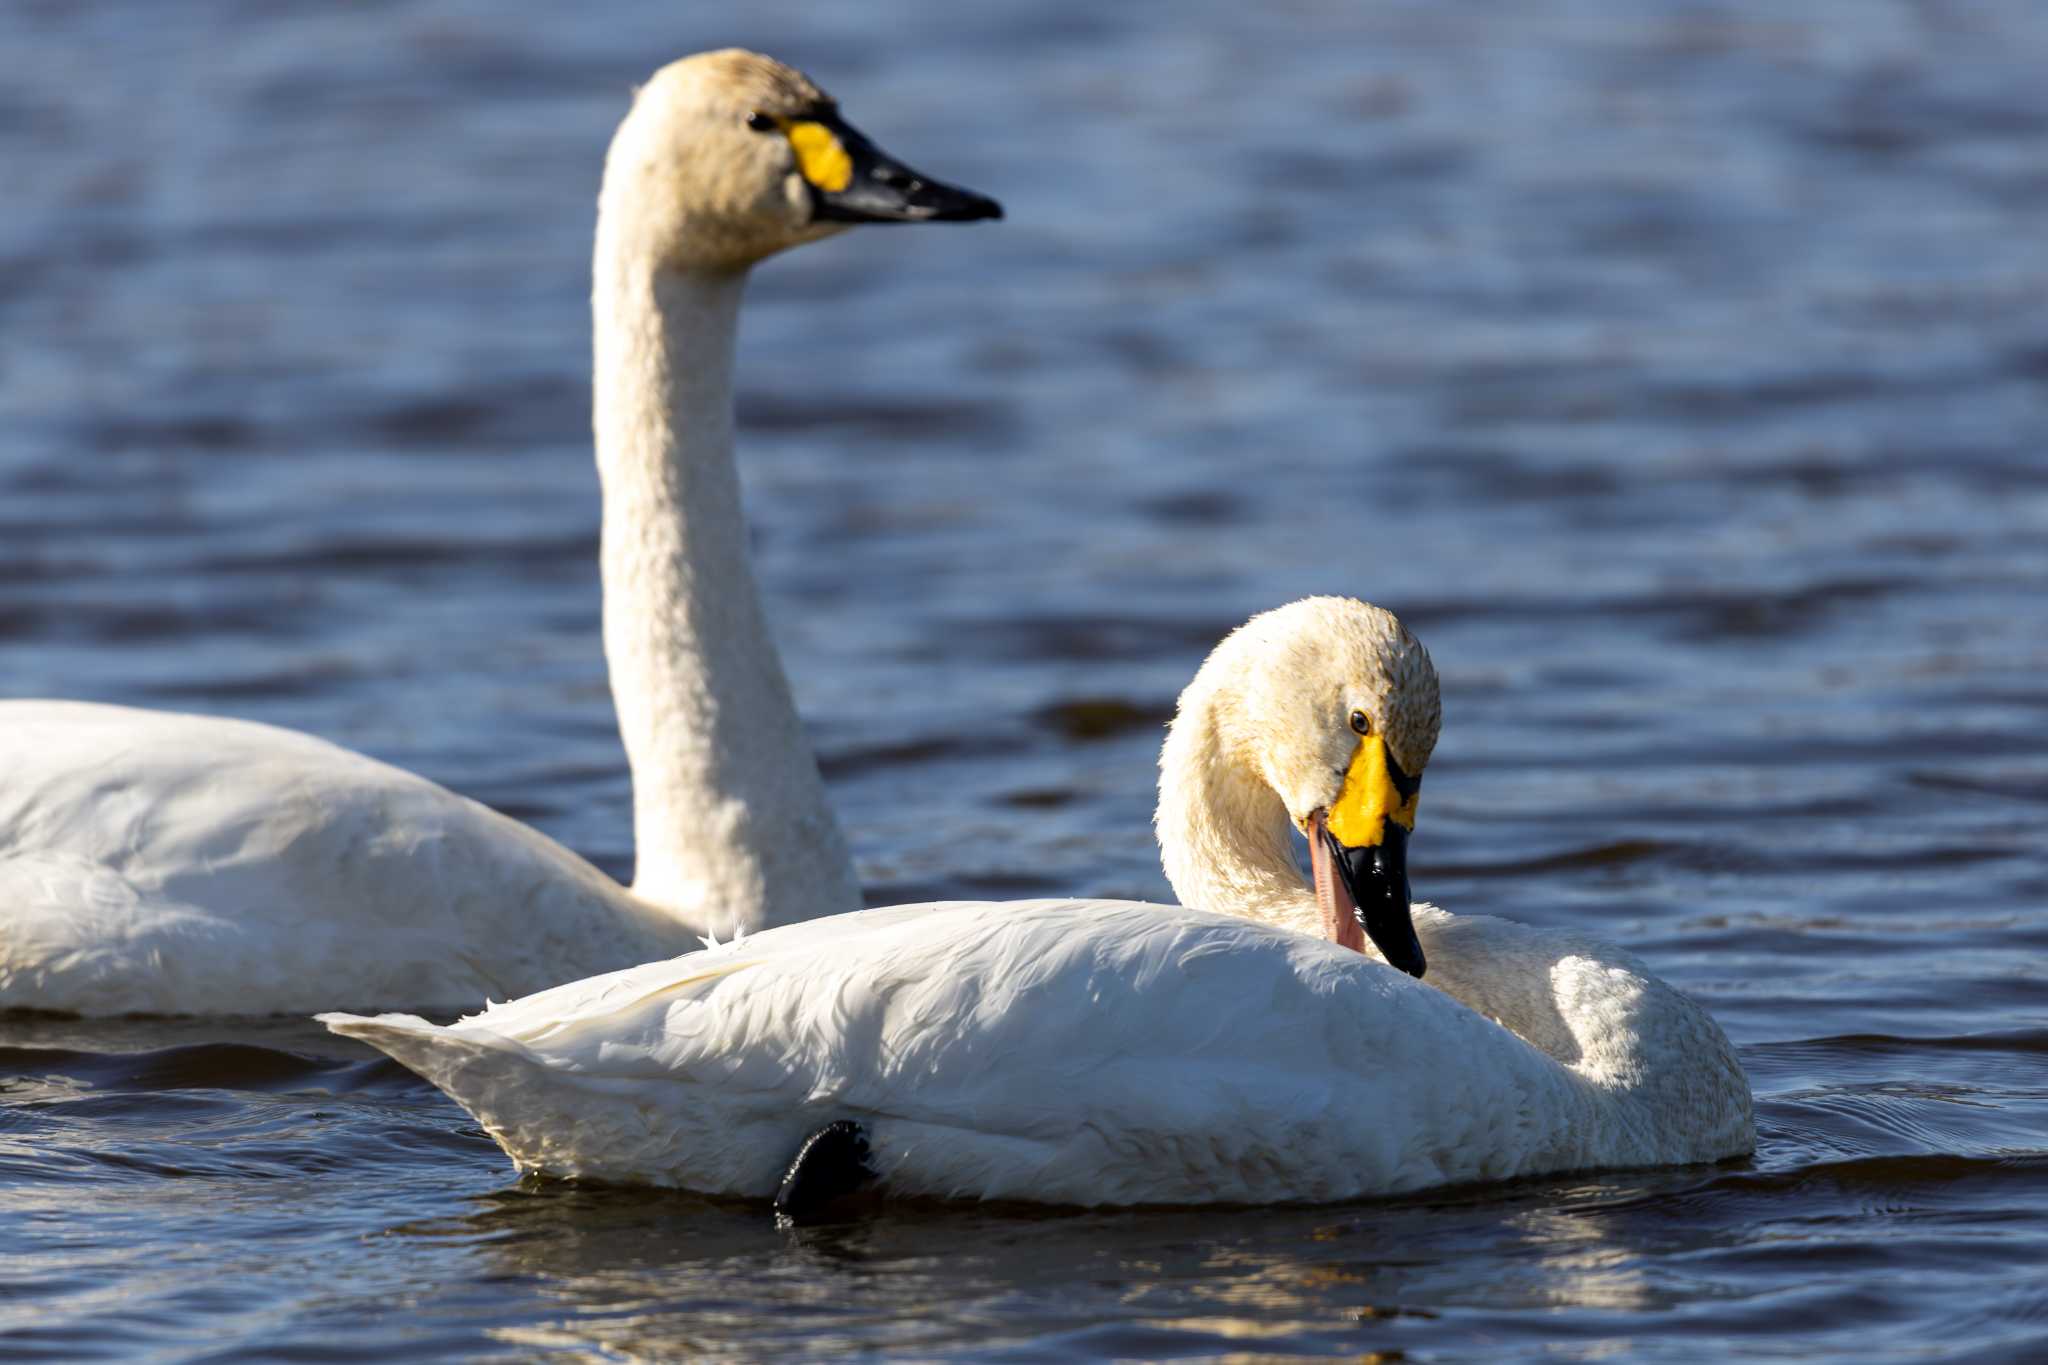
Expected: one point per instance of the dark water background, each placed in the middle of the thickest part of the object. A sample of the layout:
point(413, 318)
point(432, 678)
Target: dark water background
point(1678, 371)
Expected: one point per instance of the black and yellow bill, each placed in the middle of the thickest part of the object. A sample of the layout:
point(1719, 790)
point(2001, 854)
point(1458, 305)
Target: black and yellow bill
point(854, 181)
point(1366, 833)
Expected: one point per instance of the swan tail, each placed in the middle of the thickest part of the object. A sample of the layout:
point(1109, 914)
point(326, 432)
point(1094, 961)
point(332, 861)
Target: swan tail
point(436, 1054)
point(501, 1084)
point(556, 1119)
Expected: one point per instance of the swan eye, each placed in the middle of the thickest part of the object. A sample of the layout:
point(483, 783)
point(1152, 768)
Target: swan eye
point(1361, 722)
point(762, 123)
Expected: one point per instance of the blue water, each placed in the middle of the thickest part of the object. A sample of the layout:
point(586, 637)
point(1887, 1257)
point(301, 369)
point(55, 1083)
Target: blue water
point(1678, 371)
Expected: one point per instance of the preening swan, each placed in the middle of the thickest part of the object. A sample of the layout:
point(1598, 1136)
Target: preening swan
point(155, 862)
point(1091, 1052)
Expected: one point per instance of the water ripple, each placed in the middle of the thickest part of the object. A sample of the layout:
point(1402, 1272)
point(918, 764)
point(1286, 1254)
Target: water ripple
point(1675, 371)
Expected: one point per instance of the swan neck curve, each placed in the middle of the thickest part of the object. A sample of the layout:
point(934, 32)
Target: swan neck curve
point(1225, 838)
point(731, 825)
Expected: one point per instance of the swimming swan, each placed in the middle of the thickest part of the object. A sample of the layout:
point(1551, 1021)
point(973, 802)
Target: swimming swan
point(152, 862)
point(1109, 1052)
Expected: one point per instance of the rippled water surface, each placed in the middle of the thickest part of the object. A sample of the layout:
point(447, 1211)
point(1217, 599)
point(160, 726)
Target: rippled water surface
point(1678, 371)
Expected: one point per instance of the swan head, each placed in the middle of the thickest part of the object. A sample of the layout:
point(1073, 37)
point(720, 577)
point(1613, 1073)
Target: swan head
point(1330, 705)
point(728, 157)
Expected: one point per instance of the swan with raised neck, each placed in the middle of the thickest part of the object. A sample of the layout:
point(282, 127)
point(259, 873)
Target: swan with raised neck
point(152, 862)
point(1114, 1052)
point(726, 158)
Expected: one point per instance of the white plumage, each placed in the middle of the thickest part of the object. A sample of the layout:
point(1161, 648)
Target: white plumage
point(183, 864)
point(161, 863)
point(1095, 1052)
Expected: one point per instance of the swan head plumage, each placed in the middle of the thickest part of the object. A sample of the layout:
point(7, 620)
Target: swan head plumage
point(1321, 714)
point(1299, 687)
point(728, 157)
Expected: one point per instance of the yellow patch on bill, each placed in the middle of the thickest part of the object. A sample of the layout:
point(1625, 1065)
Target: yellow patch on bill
point(819, 156)
point(1370, 799)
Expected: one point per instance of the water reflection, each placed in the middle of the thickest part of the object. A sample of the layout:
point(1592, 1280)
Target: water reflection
point(664, 1273)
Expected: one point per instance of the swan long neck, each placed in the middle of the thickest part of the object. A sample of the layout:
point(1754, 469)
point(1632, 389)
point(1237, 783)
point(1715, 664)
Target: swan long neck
point(1225, 838)
point(730, 821)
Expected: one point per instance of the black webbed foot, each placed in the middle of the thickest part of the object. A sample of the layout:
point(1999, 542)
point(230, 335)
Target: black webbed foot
point(830, 1168)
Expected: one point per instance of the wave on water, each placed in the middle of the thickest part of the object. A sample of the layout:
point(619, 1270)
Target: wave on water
point(245, 1067)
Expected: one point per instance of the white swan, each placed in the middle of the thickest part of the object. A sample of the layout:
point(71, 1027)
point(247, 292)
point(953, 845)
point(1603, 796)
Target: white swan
point(168, 863)
point(1092, 1052)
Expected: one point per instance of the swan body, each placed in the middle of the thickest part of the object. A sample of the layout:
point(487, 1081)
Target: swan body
point(159, 862)
point(152, 862)
point(1082, 1052)
point(1111, 1052)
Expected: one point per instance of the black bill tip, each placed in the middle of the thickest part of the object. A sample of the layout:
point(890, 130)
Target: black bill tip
point(928, 201)
point(968, 208)
point(1377, 878)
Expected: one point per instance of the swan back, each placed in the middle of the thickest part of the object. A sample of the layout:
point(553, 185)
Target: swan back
point(1665, 1077)
point(1058, 1051)
point(153, 862)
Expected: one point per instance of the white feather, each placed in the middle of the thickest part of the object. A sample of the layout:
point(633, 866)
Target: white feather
point(1086, 1052)
point(1110, 1052)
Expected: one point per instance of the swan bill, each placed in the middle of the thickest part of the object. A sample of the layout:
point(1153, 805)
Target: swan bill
point(1363, 890)
point(1361, 866)
point(854, 181)
point(1377, 791)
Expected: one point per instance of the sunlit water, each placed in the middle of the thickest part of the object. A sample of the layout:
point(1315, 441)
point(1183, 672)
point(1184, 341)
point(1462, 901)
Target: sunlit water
point(1678, 371)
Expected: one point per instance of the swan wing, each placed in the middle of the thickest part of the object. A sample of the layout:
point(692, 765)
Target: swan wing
point(1081, 1052)
point(156, 862)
